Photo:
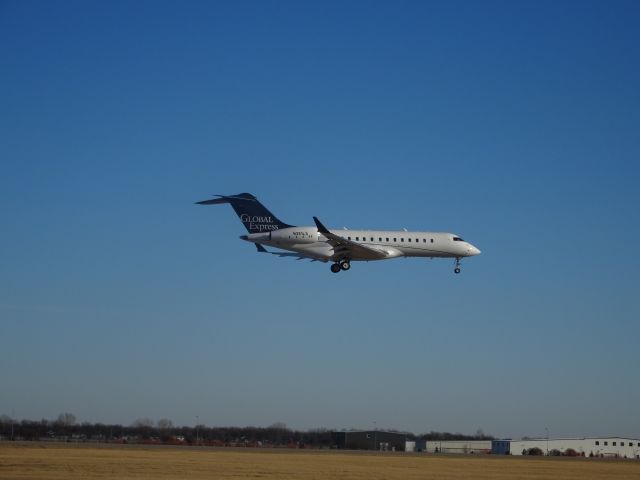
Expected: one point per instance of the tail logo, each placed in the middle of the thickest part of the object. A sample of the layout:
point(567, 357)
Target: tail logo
point(255, 222)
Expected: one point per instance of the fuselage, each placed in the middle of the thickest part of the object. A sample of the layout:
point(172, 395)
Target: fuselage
point(310, 242)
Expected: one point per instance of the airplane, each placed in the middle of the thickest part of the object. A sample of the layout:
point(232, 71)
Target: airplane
point(341, 247)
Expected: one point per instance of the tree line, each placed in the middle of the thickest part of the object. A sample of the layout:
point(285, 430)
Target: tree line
point(144, 430)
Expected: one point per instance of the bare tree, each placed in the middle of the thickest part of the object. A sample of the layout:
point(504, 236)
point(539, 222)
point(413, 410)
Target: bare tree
point(165, 424)
point(66, 419)
point(143, 422)
point(279, 425)
point(143, 427)
point(5, 420)
point(6, 425)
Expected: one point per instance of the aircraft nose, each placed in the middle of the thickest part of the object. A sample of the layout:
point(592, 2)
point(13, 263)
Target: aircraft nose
point(474, 250)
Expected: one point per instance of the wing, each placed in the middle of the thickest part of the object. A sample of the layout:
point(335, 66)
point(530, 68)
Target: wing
point(347, 248)
point(297, 256)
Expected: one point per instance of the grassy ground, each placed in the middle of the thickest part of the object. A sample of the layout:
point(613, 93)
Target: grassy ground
point(36, 461)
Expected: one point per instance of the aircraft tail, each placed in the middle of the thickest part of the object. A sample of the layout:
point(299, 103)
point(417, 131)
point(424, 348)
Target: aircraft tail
point(254, 216)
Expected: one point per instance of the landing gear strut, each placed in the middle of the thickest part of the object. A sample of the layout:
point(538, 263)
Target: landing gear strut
point(457, 268)
point(341, 265)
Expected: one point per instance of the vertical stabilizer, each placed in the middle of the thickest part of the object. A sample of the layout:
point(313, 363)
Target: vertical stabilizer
point(254, 216)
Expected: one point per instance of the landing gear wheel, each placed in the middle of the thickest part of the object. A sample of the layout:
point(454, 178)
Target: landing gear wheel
point(456, 270)
point(335, 268)
point(345, 265)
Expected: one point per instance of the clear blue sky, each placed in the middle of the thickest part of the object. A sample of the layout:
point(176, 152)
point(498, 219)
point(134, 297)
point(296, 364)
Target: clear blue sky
point(513, 124)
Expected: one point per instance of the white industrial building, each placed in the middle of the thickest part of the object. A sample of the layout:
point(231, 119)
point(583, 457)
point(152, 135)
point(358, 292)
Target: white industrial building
point(588, 447)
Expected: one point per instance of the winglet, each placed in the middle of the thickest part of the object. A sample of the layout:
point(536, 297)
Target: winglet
point(321, 227)
point(260, 248)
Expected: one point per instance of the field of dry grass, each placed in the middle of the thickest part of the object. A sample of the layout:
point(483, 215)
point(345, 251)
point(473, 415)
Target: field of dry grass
point(54, 461)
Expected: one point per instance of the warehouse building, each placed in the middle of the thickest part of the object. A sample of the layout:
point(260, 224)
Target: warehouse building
point(454, 446)
point(587, 447)
point(370, 440)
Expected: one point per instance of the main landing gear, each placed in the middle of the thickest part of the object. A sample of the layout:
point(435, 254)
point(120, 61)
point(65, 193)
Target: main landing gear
point(341, 265)
point(457, 268)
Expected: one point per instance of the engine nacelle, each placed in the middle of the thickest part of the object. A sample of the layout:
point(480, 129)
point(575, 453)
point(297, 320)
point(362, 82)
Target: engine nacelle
point(392, 252)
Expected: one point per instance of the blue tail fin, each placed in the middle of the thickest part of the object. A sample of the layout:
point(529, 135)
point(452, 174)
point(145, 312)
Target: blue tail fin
point(255, 216)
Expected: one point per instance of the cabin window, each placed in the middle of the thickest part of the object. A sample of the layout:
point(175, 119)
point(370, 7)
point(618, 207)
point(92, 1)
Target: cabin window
point(606, 443)
point(380, 239)
point(597, 442)
point(394, 239)
point(349, 238)
point(357, 239)
point(432, 240)
point(622, 444)
point(408, 239)
point(457, 239)
point(387, 239)
point(417, 240)
point(372, 239)
point(402, 240)
point(614, 444)
point(424, 240)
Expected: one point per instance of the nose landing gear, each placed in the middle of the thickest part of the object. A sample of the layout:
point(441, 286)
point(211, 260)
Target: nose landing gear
point(457, 267)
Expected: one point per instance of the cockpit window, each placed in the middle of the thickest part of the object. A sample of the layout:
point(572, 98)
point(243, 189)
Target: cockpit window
point(457, 239)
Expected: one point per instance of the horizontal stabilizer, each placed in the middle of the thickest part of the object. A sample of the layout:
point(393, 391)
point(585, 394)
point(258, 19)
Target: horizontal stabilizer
point(227, 199)
point(213, 201)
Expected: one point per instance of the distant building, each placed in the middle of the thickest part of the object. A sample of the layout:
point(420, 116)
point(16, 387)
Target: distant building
point(370, 440)
point(588, 447)
point(454, 446)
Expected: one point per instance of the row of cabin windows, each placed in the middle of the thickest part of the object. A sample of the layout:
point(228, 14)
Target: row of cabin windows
point(364, 239)
point(614, 443)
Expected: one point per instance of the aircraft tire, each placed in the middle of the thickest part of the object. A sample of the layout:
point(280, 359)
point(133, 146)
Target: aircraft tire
point(345, 265)
point(335, 268)
point(456, 270)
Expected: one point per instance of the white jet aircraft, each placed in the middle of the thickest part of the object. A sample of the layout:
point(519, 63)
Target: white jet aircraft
point(341, 247)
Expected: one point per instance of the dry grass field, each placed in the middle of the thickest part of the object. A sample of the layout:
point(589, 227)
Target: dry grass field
point(53, 461)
